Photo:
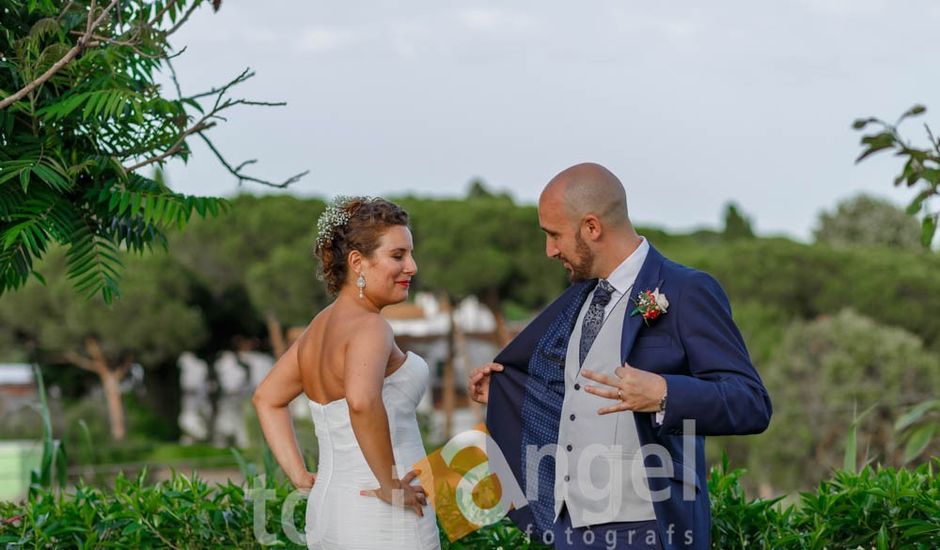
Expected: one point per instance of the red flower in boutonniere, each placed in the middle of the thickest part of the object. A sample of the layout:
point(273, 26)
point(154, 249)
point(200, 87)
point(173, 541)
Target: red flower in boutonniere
point(651, 304)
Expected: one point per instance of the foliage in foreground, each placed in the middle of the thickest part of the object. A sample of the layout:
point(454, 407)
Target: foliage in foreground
point(875, 508)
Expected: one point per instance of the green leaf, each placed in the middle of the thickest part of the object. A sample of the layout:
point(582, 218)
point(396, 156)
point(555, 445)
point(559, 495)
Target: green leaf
point(913, 111)
point(851, 442)
point(148, 208)
point(915, 414)
point(90, 105)
point(200, 204)
point(932, 175)
point(52, 178)
point(918, 202)
point(24, 179)
point(875, 143)
point(93, 264)
point(125, 198)
point(918, 441)
point(928, 229)
point(861, 123)
point(882, 540)
point(39, 277)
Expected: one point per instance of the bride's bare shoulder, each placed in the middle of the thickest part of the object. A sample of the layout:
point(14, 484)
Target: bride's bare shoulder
point(369, 325)
point(338, 324)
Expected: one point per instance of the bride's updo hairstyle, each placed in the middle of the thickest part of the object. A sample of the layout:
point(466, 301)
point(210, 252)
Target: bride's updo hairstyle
point(352, 223)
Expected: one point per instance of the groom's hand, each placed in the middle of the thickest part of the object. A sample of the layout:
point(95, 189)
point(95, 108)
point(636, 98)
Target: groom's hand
point(479, 382)
point(634, 389)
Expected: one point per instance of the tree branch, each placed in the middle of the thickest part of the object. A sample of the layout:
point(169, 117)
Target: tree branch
point(93, 347)
point(176, 82)
point(159, 15)
point(933, 141)
point(220, 104)
point(125, 367)
point(81, 362)
point(83, 41)
point(91, 13)
point(64, 11)
point(236, 171)
point(245, 75)
point(176, 147)
point(183, 19)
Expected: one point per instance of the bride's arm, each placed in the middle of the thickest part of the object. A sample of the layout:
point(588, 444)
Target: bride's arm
point(366, 358)
point(271, 399)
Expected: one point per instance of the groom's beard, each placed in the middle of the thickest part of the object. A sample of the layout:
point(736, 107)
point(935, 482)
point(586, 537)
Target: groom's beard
point(582, 268)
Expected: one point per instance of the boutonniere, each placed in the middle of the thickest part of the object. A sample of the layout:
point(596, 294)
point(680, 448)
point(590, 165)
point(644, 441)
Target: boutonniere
point(651, 304)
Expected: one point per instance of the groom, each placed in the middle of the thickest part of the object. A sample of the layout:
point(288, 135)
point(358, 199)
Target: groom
point(600, 406)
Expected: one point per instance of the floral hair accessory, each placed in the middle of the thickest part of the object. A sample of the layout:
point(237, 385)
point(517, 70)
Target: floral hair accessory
point(334, 216)
point(651, 304)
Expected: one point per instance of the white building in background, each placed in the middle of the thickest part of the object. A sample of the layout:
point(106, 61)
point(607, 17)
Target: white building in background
point(18, 389)
point(17, 386)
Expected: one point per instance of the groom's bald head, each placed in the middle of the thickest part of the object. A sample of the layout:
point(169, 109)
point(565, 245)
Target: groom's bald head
point(589, 188)
point(583, 212)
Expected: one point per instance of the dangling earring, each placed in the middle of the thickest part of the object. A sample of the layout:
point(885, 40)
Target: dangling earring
point(361, 283)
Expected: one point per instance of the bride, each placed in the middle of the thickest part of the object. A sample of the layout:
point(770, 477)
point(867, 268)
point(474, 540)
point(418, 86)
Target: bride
point(362, 389)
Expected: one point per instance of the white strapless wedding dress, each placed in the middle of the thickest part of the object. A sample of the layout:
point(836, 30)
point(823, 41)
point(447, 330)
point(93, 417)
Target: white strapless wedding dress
point(338, 517)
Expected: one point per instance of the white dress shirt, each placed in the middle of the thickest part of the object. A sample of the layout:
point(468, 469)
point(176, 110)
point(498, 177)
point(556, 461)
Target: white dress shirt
point(623, 277)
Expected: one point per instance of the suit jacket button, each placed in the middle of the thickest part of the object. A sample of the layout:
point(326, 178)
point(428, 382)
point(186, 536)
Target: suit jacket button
point(567, 478)
point(571, 417)
point(577, 386)
point(569, 447)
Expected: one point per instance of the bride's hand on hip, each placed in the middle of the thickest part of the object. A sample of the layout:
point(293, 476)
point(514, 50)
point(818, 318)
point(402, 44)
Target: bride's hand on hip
point(305, 481)
point(411, 496)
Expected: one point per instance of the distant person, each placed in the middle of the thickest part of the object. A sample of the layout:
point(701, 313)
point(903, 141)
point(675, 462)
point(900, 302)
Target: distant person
point(362, 388)
point(239, 372)
point(620, 464)
point(195, 406)
point(234, 388)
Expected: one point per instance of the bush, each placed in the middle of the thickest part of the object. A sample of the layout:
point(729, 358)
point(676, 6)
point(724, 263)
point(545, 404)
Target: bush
point(864, 220)
point(825, 370)
point(179, 513)
point(876, 508)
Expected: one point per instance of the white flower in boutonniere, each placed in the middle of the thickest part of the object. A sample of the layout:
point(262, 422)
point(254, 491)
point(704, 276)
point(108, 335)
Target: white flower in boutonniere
point(651, 304)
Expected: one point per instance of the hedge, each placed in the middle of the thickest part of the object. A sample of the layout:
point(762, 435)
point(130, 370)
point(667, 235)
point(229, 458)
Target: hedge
point(877, 507)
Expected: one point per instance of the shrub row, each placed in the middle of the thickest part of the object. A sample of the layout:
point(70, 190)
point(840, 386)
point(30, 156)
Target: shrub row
point(876, 508)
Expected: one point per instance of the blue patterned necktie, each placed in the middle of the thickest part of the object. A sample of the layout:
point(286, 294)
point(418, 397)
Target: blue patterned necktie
point(594, 317)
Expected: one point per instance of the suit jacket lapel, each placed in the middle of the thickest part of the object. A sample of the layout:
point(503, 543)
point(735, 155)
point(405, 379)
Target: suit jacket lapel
point(647, 279)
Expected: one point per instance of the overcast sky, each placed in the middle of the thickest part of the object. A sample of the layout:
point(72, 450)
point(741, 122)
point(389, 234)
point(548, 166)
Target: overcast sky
point(692, 104)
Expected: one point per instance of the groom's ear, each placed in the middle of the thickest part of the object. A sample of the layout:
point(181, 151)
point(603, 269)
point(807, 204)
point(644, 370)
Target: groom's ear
point(592, 227)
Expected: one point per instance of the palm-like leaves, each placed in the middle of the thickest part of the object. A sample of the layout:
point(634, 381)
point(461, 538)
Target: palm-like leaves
point(72, 147)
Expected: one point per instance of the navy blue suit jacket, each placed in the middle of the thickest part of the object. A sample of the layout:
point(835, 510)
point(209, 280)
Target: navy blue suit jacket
point(699, 351)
